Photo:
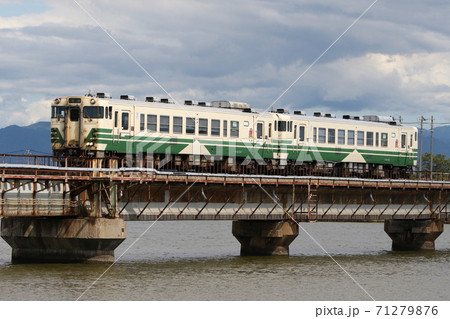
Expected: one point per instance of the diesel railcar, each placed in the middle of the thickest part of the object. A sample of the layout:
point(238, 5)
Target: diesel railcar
point(229, 137)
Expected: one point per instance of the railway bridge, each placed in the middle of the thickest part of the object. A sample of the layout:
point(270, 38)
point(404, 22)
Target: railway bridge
point(55, 213)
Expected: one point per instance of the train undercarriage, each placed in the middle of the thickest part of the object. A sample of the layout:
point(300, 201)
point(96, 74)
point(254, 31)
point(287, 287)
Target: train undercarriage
point(235, 165)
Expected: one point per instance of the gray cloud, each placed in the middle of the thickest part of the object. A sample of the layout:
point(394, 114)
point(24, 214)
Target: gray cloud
point(393, 61)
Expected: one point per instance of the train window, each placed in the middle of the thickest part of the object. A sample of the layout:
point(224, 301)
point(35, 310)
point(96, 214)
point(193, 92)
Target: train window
point(177, 124)
point(152, 123)
point(270, 130)
point(125, 120)
point(351, 137)
point(215, 127)
point(331, 135)
point(190, 125)
point(225, 128)
point(295, 131)
point(116, 118)
point(410, 140)
point(234, 129)
point(275, 128)
point(74, 115)
point(203, 126)
point(110, 112)
point(164, 123)
point(301, 133)
point(93, 112)
point(290, 126)
point(314, 134)
point(369, 138)
point(403, 140)
point(377, 139)
point(360, 138)
point(341, 137)
point(384, 139)
point(282, 127)
point(322, 133)
point(259, 130)
point(142, 122)
point(58, 111)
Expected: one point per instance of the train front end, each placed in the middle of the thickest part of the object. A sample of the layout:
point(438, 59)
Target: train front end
point(75, 121)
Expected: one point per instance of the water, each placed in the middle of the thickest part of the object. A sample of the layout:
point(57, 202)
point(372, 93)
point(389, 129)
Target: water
point(200, 260)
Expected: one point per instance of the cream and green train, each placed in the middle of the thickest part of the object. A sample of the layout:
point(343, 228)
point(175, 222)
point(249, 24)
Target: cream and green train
point(229, 137)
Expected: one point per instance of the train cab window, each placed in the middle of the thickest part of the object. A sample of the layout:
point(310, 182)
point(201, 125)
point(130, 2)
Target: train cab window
point(341, 137)
point(360, 138)
point(331, 135)
point(270, 130)
point(116, 118)
point(142, 122)
point(177, 124)
point(58, 111)
point(190, 125)
point(351, 137)
point(225, 128)
point(164, 123)
point(93, 112)
point(403, 140)
point(384, 139)
point(152, 123)
point(369, 138)
point(215, 127)
point(234, 128)
point(322, 134)
point(314, 134)
point(74, 115)
point(301, 133)
point(203, 126)
point(125, 120)
point(377, 139)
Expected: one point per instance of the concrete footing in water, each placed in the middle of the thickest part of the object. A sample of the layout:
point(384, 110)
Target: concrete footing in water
point(413, 234)
point(62, 239)
point(264, 238)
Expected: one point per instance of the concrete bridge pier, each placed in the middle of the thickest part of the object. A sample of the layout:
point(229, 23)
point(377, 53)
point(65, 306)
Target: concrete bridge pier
point(410, 234)
point(264, 238)
point(62, 239)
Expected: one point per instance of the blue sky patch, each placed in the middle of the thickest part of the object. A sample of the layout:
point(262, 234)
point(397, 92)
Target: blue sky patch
point(18, 8)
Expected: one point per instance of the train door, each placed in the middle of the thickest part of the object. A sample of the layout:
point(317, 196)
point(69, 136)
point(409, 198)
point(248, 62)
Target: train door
point(125, 122)
point(259, 130)
point(73, 127)
point(116, 130)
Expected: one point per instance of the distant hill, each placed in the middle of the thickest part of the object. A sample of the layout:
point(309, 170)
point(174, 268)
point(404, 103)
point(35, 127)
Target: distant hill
point(34, 138)
point(441, 140)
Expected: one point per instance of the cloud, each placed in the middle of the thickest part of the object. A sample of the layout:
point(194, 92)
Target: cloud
point(395, 59)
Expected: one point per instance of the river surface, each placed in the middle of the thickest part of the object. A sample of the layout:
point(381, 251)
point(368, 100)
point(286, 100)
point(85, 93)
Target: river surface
point(199, 260)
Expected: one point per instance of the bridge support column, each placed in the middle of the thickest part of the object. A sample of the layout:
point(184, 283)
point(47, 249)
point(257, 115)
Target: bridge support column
point(413, 234)
point(62, 240)
point(264, 238)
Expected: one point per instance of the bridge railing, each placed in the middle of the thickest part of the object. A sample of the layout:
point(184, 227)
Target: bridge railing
point(42, 160)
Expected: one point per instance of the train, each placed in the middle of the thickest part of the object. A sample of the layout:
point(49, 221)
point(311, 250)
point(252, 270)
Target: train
point(228, 137)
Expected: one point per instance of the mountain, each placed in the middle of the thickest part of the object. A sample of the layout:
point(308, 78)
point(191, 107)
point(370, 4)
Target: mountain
point(441, 140)
point(34, 139)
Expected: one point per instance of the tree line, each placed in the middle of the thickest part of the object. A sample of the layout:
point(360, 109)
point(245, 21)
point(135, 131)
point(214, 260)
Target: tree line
point(440, 163)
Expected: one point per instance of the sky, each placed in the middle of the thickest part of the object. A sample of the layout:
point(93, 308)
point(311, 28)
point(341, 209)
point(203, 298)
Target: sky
point(310, 55)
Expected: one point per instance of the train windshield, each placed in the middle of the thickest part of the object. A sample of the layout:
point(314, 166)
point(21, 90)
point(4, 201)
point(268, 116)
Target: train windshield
point(58, 112)
point(93, 112)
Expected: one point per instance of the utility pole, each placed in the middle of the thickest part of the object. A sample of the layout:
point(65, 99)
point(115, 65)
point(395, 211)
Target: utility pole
point(420, 142)
point(431, 149)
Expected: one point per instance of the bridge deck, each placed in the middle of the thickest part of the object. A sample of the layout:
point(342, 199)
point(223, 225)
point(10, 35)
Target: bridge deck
point(149, 194)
